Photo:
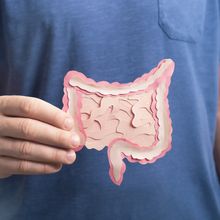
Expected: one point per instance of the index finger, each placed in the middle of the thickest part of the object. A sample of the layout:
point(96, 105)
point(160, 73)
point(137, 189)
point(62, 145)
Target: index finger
point(34, 108)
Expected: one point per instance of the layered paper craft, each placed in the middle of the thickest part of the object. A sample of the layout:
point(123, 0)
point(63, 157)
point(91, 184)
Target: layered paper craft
point(132, 120)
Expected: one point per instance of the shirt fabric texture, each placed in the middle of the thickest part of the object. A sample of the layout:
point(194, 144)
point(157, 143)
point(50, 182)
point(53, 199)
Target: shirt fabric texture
point(40, 41)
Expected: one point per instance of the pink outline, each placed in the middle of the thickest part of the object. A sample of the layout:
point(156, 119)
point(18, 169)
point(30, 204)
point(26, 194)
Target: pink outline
point(168, 73)
point(79, 104)
point(115, 85)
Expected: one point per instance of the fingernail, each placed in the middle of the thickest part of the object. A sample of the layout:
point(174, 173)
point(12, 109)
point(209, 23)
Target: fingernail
point(68, 124)
point(75, 140)
point(71, 156)
point(57, 167)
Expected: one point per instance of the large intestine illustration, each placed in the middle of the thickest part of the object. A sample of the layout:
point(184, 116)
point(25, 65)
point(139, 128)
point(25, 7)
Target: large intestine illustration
point(132, 119)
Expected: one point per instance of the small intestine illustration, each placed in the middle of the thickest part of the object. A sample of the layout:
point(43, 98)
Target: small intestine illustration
point(131, 119)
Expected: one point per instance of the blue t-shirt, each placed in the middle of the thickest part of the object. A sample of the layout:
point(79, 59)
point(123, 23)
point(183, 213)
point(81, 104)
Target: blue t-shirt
point(117, 40)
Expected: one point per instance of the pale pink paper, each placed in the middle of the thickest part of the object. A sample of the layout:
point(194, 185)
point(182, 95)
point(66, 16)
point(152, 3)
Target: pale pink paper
point(131, 119)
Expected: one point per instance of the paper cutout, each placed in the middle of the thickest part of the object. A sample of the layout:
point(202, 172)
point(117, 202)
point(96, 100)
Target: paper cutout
point(132, 119)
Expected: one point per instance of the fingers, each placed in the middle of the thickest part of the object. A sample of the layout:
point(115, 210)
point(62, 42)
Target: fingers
point(35, 152)
point(16, 166)
point(35, 137)
point(37, 131)
point(29, 107)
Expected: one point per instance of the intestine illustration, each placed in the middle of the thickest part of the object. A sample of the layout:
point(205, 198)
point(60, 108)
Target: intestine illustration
point(132, 119)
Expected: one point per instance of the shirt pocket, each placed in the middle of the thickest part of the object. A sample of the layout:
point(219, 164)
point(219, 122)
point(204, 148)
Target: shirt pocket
point(182, 20)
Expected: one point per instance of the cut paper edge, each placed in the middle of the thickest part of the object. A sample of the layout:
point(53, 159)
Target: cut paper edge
point(167, 65)
point(142, 161)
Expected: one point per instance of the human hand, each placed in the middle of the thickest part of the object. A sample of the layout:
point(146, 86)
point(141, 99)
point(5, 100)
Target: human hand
point(35, 137)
